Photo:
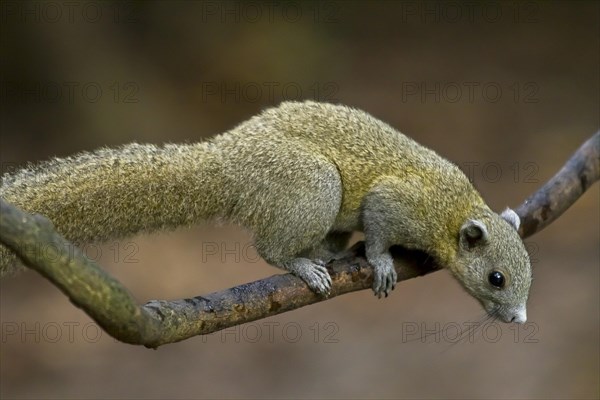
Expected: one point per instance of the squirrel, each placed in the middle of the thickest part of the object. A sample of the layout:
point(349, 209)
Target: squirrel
point(301, 177)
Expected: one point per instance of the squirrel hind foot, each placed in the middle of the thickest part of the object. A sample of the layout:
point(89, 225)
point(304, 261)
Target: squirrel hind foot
point(313, 273)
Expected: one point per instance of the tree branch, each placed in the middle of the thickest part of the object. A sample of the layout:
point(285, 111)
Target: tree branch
point(160, 322)
point(575, 177)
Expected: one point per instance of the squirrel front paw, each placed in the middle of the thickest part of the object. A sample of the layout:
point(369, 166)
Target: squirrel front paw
point(384, 275)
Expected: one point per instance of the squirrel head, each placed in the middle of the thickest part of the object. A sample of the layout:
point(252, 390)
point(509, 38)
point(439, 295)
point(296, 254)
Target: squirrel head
point(493, 264)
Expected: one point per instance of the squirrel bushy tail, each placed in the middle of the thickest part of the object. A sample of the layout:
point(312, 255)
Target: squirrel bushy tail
point(89, 196)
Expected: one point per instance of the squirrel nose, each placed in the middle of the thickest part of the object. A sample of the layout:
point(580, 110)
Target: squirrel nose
point(520, 317)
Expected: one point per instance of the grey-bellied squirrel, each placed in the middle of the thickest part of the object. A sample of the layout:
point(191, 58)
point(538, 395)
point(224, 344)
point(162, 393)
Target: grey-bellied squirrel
point(302, 177)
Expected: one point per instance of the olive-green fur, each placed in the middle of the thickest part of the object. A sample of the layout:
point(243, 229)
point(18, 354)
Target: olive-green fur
point(293, 175)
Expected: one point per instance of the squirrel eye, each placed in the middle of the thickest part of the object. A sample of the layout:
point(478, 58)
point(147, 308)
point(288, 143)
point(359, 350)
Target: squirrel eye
point(496, 278)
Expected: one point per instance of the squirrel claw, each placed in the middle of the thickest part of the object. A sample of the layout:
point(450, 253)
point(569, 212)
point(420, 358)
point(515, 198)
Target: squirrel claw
point(318, 278)
point(313, 273)
point(384, 281)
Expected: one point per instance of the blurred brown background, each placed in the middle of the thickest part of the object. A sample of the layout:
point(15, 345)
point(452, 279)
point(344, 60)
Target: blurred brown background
point(507, 90)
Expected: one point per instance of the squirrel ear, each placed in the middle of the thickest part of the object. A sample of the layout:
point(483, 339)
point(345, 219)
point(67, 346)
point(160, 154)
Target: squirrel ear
point(472, 234)
point(512, 218)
